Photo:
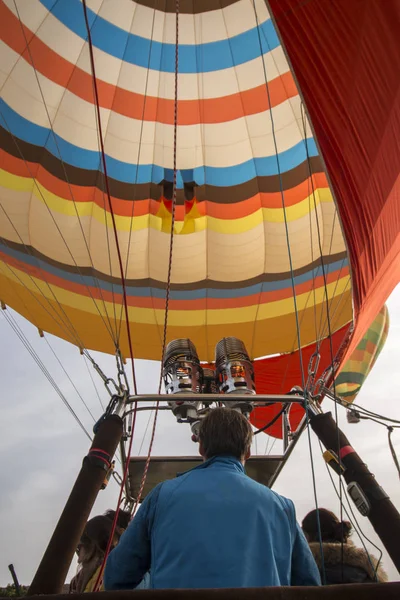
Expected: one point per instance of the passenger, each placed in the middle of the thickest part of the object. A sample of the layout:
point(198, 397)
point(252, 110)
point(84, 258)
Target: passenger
point(358, 566)
point(91, 550)
point(214, 527)
point(123, 519)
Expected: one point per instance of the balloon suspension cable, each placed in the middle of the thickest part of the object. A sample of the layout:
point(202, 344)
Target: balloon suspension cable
point(303, 382)
point(328, 319)
point(171, 248)
point(33, 177)
point(360, 409)
point(22, 337)
point(354, 522)
point(392, 450)
point(107, 186)
point(124, 294)
point(126, 470)
point(106, 380)
point(361, 413)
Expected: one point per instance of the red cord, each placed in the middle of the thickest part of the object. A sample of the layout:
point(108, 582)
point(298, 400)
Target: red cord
point(100, 575)
point(110, 540)
point(103, 158)
point(146, 468)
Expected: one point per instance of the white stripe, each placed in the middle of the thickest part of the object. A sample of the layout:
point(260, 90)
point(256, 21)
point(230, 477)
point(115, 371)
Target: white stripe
point(218, 145)
point(214, 84)
point(48, 29)
point(8, 60)
point(133, 78)
point(231, 257)
point(200, 28)
point(191, 86)
point(32, 13)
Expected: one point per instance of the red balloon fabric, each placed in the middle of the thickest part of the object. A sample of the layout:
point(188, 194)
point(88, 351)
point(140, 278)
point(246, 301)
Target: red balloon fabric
point(345, 57)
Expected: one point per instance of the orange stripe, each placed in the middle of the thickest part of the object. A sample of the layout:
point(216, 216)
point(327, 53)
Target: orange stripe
point(159, 303)
point(78, 193)
point(130, 104)
point(358, 356)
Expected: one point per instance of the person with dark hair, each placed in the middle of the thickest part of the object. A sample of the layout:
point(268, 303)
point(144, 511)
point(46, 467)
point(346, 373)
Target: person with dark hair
point(91, 551)
point(123, 519)
point(343, 562)
point(213, 526)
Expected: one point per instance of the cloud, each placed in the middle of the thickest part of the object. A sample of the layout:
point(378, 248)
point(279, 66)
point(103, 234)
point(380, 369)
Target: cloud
point(42, 447)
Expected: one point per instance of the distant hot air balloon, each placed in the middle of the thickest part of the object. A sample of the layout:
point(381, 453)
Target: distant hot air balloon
point(357, 368)
point(286, 229)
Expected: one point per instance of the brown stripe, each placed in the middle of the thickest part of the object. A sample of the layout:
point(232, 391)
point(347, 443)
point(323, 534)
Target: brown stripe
point(196, 285)
point(191, 7)
point(129, 191)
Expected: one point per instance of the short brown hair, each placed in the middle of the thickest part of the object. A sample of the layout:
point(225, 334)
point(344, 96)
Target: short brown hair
point(225, 431)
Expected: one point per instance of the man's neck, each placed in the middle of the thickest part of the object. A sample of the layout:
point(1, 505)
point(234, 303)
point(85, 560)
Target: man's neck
point(242, 460)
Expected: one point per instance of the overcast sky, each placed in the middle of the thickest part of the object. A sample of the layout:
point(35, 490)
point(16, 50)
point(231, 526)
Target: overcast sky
point(41, 446)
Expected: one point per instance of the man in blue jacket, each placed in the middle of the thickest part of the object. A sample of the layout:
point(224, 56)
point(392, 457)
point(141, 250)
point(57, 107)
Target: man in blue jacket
point(214, 527)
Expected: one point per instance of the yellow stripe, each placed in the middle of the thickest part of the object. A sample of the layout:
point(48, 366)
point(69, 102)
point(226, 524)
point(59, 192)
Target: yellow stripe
point(189, 318)
point(226, 226)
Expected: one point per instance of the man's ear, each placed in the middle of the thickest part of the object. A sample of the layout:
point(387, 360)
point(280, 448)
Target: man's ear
point(248, 454)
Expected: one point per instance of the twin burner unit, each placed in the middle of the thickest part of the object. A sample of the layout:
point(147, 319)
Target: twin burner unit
point(191, 389)
point(183, 375)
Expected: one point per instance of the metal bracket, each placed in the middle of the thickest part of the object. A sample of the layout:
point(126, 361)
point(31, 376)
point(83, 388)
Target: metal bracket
point(259, 399)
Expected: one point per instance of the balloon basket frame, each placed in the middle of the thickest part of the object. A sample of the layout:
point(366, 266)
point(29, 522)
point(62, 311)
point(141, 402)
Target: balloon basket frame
point(262, 468)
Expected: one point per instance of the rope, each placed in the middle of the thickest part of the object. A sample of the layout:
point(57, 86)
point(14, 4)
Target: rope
point(137, 165)
point(121, 491)
point(32, 319)
point(70, 380)
point(171, 247)
point(68, 184)
point(63, 325)
point(319, 335)
point(22, 337)
point(354, 522)
point(360, 409)
point(126, 470)
point(292, 280)
point(328, 318)
point(326, 298)
point(125, 300)
point(104, 163)
point(354, 517)
point(70, 329)
point(94, 383)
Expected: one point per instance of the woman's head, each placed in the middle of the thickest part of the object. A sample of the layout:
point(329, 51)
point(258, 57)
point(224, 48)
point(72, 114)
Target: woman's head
point(94, 540)
point(91, 550)
point(332, 530)
point(123, 519)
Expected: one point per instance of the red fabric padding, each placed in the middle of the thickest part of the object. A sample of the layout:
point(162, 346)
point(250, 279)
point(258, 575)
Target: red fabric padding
point(345, 451)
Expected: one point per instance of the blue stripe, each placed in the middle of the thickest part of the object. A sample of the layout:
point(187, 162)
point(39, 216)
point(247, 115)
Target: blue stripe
point(145, 292)
point(29, 132)
point(134, 49)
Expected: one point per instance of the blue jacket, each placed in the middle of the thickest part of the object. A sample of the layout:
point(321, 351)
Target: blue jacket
point(212, 527)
